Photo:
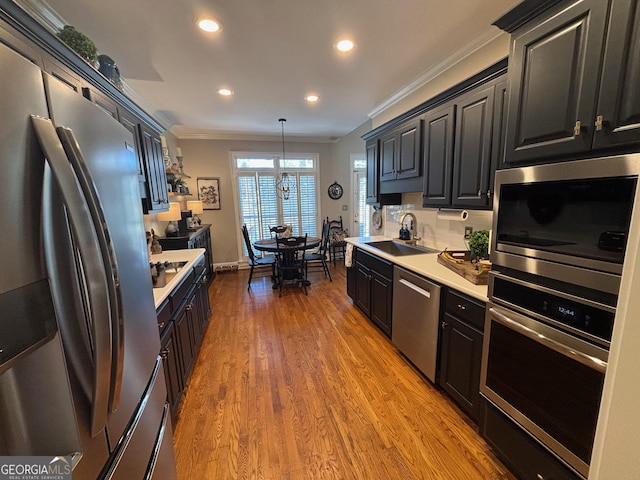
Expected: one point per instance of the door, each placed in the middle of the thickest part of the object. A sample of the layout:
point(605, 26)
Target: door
point(361, 221)
point(472, 152)
point(438, 155)
point(554, 68)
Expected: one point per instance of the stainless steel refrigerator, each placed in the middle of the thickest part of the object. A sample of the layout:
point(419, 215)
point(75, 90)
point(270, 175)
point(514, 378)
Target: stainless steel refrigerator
point(80, 371)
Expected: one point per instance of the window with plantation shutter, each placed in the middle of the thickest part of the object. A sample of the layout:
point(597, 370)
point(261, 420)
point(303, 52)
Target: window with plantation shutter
point(260, 206)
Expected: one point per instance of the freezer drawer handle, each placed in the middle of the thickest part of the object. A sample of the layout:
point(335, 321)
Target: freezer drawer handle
point(421, 291)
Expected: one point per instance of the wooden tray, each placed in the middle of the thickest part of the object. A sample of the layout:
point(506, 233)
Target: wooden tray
point(463, 266)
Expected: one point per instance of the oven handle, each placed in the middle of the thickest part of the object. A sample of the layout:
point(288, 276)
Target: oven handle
point(581, 357)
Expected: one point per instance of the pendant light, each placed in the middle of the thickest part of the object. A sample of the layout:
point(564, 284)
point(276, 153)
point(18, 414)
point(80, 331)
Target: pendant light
point(283, 181)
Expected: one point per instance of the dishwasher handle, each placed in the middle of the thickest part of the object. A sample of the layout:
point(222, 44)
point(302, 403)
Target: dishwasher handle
point(416, 288)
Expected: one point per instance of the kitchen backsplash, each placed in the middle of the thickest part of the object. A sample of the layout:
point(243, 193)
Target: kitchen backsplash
point(434, 232)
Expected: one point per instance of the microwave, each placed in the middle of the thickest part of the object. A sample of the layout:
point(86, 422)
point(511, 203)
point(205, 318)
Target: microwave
point(566, 222)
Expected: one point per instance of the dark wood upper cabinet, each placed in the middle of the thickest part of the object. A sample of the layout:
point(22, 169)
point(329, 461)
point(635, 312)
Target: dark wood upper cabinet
point(372, 170)
point(409, 149)
point(400, 152)
point(439, 128)
point(463, 141)
point(472, 153)
point(157, 198)
point(573, 75)
point(618, 111)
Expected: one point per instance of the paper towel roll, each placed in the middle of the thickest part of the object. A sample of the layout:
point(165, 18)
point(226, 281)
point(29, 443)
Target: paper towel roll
point(455, 215)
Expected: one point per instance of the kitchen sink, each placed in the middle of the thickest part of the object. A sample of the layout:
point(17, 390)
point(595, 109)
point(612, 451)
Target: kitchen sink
point(398, 249)
point(162, 273)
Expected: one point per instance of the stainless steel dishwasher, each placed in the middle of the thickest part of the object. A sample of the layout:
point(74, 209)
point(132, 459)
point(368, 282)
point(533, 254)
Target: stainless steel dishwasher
point(416, 309)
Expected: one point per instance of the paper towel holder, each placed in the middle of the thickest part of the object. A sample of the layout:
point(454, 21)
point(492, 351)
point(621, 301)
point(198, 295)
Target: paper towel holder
point(455, 214)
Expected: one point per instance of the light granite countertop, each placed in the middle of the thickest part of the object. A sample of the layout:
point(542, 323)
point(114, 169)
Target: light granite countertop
point(426, 265)
point(191, 256)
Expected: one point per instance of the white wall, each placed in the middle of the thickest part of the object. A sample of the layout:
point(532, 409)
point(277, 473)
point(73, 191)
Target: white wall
point(434, 232)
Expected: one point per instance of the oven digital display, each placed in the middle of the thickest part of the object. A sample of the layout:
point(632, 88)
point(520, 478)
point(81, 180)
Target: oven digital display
point(565, 311)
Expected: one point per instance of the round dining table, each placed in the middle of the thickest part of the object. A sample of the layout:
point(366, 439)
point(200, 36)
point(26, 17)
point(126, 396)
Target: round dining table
point(269, 244)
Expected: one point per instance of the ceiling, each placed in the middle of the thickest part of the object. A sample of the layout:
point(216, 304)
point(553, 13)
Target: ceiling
point(272, 53)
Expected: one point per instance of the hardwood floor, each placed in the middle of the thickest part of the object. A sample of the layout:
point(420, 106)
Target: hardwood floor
point(305, 387)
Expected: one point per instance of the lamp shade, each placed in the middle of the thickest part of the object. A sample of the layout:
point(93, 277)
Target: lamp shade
point(172, 214)
point(195, 206)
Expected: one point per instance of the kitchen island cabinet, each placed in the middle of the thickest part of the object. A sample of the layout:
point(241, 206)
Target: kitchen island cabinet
point(182, 309)
point(200, 238)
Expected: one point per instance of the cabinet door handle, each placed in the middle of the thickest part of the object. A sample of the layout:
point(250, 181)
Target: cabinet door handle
point(479, 193)
point(165, 353)
point(539, 476)
point(599, 123)
point(161, 325)
point(189, 307)
point(577, 129)
point(461, 307)
point(444, 325)
point(488, 193)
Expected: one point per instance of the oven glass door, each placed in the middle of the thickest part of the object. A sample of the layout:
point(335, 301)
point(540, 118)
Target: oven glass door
point(586, 218)
point(547, 381)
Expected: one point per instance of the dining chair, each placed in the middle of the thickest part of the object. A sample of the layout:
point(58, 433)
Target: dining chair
point(277, 231)
point(291, 265)
point(319, 258)
point(256, 261)
point(337, 244)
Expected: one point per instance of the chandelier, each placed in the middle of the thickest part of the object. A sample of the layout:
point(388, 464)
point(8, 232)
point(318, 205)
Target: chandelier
point(283, 181)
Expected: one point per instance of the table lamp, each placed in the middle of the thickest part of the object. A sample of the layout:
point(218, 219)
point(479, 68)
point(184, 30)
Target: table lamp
point(171, 216)
point(196, 207)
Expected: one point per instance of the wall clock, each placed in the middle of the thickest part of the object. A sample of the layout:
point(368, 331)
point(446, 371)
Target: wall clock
point(335, 190)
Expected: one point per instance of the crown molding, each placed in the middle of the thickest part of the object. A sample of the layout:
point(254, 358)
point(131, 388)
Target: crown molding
point(427, 76)
point(185, 133)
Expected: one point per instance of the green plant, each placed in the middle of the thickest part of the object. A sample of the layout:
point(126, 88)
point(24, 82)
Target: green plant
point(479, 243)
point(79, 43)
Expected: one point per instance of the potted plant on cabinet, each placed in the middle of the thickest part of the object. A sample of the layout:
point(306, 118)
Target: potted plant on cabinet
point(79, 43)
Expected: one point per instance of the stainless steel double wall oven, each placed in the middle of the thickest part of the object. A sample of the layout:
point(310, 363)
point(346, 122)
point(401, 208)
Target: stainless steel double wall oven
point(558, 243)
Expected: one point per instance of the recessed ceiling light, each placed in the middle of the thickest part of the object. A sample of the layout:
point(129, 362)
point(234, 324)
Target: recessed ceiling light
point(225, 92)
point(345, 45)
point(312, 98)
point(210, 25)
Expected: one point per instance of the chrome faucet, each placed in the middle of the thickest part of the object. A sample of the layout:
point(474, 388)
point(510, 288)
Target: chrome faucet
point(412, 226)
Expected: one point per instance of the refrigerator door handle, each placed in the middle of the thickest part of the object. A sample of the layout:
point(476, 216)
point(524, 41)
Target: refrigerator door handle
point(99, 308)
point(74, 154)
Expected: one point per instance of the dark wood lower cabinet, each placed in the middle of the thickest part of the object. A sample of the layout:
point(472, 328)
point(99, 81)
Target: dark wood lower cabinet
point(373, 289)
point(182, 321)
point(518, 450)
point(171, 362)
point(461, 351)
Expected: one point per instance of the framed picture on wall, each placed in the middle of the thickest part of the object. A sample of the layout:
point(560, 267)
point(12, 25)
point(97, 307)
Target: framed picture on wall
point(209, 192)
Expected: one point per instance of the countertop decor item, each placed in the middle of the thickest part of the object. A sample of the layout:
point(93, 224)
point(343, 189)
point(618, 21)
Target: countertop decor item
point(196, 207)
point(171, 216)
point(459, 261)
point(479, 243)
point(79, 43)
point(110, 70)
